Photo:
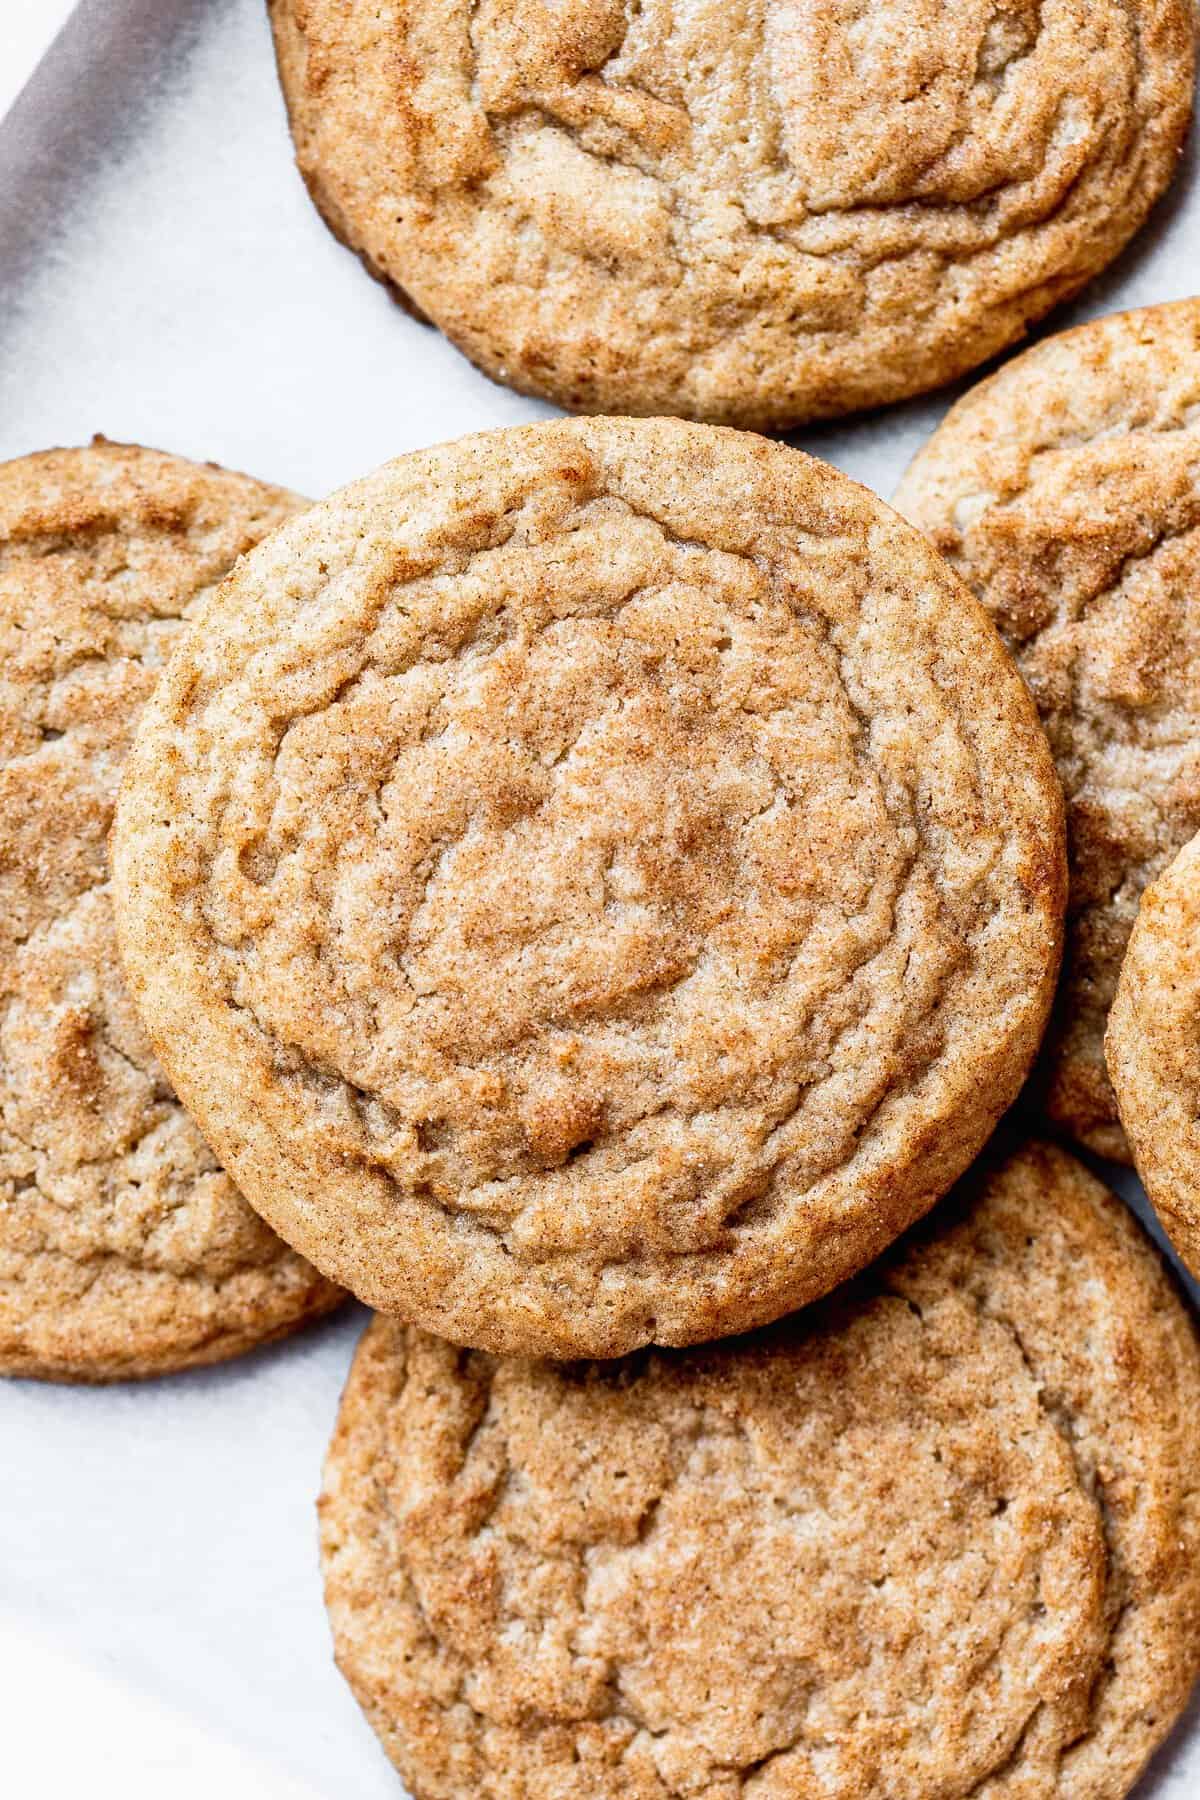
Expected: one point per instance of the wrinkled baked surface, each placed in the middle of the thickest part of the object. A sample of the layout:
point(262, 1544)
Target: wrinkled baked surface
point(1153, 1047)
point(937, 1535)
point(124, 1249)
point(594, 883)
point(747, 213)
point(1066, 490)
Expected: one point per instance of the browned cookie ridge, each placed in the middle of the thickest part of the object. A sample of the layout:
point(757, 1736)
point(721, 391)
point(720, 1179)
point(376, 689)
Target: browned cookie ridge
point(937, 1535)
point(1066, 490)
point(1153, 1048)
point(124, 1249)
point(747, 213)
point(596, 883)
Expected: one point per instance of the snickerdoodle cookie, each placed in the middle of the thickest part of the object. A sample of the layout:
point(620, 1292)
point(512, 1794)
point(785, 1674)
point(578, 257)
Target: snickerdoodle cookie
point(1153, 1047)
point(595, 883)
point(752, 214)
point(937, 1535)
point(124, 1250)
point(1067, 491)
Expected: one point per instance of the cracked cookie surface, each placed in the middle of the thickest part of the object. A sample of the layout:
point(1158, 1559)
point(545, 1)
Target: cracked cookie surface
point(937, 1535)
point(1066, 491)
point(124, 1248)
point(1153, 1048)
point(595, 884)
point(747, 211)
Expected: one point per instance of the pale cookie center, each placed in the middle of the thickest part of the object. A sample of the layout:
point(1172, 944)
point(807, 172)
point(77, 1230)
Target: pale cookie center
point(633, 134)
point(830, 1562)
point(616, 896)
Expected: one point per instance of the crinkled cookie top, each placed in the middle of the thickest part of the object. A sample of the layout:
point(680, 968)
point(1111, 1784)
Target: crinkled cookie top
point(594, 883)
point(937, 1536)
point(1067, 491)
point(124, 1248)
point(748, 211)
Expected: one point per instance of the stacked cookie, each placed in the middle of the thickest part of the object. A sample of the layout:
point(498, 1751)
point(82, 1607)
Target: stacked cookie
point(1067, 490)
point(590, 890)
point(596, 885)
point(936, 1536)
point(124, 1248)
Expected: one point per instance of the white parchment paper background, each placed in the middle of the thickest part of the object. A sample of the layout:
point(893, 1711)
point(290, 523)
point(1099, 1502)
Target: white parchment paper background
point(164, 278)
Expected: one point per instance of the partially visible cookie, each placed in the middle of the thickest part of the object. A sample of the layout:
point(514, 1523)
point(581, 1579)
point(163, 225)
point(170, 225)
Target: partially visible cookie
point(937, 1535)
point(752, 215)
point(124, 1249)
point(594, 884)
point(1153, 1047)
point(1066, 489)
